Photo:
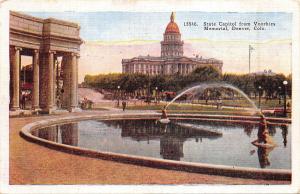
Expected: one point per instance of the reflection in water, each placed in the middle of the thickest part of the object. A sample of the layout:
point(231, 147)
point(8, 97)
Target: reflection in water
point(49, 133)
point(169, 140)
point(263, 156)
point(248, 129)
point(171, 136)
point(272, 130)
point(171, 148)
point(67, 132)
point(284, 133)
point(263, 153)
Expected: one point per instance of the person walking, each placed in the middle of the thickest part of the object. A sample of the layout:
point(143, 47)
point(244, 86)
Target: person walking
point(23, 100)
point(124, 105)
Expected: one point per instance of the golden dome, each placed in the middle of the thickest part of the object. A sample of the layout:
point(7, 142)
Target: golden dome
point(172, 27)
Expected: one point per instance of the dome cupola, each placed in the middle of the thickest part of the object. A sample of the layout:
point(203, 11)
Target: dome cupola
point(172, 27)
point(172, 46)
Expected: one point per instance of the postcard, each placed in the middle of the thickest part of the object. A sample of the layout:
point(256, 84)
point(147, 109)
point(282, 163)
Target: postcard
point(149, 97)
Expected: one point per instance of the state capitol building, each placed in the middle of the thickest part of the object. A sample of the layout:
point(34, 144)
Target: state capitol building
point(171, 60)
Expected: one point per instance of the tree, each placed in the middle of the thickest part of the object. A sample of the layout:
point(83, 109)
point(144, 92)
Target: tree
point(204, 73)
point(270, 85)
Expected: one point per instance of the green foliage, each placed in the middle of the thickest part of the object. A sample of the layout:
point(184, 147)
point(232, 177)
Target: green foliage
point(271, 86)
point(205, 73)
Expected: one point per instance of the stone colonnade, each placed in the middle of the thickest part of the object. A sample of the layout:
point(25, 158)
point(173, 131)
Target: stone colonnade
point(44, 40)
point(44, 80)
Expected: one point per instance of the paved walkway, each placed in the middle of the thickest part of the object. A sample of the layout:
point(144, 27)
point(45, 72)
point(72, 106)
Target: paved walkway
point(31, 163)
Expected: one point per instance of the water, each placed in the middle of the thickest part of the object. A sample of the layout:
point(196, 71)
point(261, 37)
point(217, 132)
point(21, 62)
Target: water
point(201, 87)
point(170, 141)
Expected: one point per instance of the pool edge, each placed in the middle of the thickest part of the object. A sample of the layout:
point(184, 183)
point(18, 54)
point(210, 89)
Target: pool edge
point(211, 169)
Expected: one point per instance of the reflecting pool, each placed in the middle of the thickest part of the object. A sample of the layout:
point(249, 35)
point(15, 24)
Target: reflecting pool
point(184, 140)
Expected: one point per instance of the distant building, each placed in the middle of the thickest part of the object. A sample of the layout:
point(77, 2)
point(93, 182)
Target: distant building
point(171, 60)
point(264, 72)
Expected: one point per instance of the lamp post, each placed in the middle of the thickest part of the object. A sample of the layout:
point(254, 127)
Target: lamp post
point(279, 93)
point(259, 95)
point(148, 89)
point(118, 104)
point(285, 92)
point(156, 88)
point(250, 49)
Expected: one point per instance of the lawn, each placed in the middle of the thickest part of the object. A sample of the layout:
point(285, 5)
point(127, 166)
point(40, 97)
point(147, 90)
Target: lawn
point(201, 107)
point(265, 104)
point(189, 108)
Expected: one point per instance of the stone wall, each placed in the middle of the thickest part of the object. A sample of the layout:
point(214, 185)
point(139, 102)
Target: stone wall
point(26, 23)
point(43, 34)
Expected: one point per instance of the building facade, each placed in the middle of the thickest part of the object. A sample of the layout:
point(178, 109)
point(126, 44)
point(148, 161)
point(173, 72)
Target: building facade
point(172, 60)
point(44, 40)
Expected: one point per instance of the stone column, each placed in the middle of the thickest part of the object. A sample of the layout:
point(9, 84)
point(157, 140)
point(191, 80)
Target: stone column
point(36, 83)
point(15, 99)
point(77, 64)
point(73, 83)
point(66, 81)
point(50, 81)
point(54, 82)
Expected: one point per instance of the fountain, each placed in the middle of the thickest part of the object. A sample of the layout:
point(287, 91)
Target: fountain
point(203, 86)
point(264, 139)
point(213, 144)
point(164, 117)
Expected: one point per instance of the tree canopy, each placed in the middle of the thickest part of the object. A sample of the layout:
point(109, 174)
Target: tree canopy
point(270, 86)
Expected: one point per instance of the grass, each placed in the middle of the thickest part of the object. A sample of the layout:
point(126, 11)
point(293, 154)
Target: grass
point(265, 104)
point(189, 108)
point(186, 108)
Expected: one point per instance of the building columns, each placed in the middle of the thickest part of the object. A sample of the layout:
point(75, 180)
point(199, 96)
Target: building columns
point(36, 84)
point(74, 82)
point(16, 58)
point(43, 91)
point(50, 81)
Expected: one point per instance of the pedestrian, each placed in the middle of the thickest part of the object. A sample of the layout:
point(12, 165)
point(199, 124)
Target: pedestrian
point(219, 103)
point(23, 100)
point(124, 105)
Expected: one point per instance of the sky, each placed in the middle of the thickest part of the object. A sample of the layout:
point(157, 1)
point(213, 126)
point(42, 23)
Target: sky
point(110, 36)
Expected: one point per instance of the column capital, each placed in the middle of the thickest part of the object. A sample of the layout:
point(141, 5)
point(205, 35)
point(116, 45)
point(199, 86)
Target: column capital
point(51, 52)
point(75, 54)
point(36, 51)
point(17, 48)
